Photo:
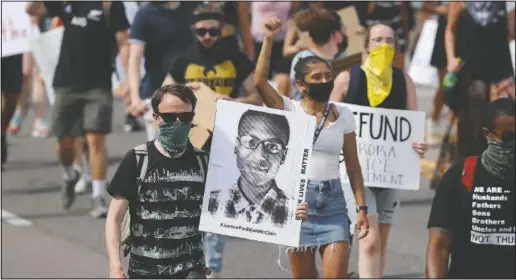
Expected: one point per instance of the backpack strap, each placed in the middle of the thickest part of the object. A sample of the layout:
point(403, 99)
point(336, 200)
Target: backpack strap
point(355, 78)
point(142, 161)
point(203, 160)
point(468, 173)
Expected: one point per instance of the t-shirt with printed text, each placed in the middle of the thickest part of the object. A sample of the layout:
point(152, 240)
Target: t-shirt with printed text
point(165, 212)
point(482, 222)
point(85, 59)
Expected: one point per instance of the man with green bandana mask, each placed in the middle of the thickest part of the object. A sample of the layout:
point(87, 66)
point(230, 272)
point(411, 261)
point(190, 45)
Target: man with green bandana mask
point(162, 184)
point(472, 217)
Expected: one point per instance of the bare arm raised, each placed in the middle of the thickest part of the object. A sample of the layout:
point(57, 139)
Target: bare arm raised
point(269, 95)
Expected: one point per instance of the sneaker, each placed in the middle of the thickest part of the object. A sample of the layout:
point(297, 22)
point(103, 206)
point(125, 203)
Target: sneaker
point(68, 191)
point(40, 129)
point(132, 124)
point(83, 185)
point(100, 208)
point(16, 122)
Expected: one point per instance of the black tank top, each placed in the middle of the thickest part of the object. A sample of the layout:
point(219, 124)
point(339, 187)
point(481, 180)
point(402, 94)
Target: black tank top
point(357, 90)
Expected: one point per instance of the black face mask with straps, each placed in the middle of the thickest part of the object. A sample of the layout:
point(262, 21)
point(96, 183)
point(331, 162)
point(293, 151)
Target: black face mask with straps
point(320, 92)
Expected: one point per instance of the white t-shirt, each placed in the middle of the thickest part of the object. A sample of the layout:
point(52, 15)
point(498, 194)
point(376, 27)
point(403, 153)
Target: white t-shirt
point(326, 151)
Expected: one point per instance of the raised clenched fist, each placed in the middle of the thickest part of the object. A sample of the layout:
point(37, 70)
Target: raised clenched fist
point(272, 26)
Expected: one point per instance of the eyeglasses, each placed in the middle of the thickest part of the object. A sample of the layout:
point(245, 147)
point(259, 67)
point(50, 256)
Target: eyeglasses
point(214, 32)
point(186, 117)
point(387, 40)
point(271, 146)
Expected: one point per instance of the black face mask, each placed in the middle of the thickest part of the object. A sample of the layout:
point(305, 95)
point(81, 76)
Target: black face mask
point(342, 46)
point(320, 92)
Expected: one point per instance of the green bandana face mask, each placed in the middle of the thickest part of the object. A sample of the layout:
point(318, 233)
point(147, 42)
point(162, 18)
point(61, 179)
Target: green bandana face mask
point(173, 136)
point(498, 158)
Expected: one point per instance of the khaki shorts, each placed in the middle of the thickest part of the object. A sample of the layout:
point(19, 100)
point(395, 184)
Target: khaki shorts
point(75, 113)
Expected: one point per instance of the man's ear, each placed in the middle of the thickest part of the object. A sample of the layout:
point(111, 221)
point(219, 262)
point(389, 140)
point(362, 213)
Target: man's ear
point(284, 156)
point(486, 132)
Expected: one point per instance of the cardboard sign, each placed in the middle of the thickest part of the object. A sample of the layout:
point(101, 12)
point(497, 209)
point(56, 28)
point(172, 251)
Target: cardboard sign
point(204, 117)
point(384, 146)
point(255, 147)
point(350, 20)
point(16, 28)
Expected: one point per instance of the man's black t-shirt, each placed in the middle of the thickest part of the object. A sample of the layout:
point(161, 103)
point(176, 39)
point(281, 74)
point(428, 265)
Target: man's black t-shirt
point(85, 60)
point(165, 212)
point(224, 72)
point(482, 223)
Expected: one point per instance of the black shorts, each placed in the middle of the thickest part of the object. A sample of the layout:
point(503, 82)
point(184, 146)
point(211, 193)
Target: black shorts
point(12, 74)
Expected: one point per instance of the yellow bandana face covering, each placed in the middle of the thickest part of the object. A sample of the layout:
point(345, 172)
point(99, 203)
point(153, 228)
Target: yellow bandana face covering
point(378, 70)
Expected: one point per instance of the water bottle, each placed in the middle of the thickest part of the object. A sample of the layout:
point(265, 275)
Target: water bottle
point(450, 79)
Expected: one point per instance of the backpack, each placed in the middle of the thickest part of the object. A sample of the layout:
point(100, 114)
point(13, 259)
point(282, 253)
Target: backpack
point(355, 80)
point(142, 162)
point(468, 172)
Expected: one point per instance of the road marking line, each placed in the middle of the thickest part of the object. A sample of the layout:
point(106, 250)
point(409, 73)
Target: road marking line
point(14, 220)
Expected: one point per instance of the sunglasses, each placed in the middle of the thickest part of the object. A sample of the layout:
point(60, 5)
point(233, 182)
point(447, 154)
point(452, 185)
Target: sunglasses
point(214, 32)
point(186, 117)
point(271, 146)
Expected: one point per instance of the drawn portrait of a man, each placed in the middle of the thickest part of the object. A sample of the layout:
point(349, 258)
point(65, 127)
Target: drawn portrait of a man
point(261, 148)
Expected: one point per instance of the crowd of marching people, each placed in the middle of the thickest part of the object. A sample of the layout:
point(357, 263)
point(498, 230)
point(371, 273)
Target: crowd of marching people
point(280, 55)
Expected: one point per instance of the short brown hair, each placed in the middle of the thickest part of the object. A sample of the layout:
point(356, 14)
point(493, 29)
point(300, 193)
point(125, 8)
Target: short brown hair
point(181, 91)
point(320, 24)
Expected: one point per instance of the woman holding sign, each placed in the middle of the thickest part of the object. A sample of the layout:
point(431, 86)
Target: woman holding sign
point(327, 227)
point(377, 83)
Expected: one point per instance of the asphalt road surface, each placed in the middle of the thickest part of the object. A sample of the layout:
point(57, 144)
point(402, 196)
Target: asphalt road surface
point(40, 240)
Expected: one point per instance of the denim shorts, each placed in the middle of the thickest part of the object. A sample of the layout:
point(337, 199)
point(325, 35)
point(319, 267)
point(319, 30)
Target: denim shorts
point(328, 220)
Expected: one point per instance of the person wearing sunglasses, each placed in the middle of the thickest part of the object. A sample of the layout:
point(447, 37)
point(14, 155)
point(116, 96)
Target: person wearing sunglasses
point(227, 72)
point(472, 218)
point(163, 222)
point(210, 65)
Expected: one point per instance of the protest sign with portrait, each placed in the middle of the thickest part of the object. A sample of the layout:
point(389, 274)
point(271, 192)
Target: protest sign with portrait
point(384, 146)
point(257, 173)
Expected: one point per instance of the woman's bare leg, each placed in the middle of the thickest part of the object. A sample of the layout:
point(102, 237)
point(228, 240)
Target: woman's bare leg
point(369, 254)
point(335, 258)
point(302, 264)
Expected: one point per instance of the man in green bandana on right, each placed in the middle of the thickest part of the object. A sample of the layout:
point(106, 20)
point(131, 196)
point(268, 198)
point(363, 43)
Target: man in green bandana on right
point(472, 216)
